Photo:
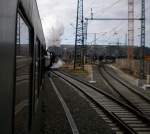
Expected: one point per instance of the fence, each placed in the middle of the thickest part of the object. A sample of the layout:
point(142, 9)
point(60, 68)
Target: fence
point(133, 66)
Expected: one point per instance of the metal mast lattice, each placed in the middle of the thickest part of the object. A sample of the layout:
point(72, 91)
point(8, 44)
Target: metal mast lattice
point(142, 75)
point(130, 31)
point(79, 38)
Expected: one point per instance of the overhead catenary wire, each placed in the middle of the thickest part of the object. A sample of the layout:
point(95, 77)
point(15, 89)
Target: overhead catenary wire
point(114, 29)
point(107, 8)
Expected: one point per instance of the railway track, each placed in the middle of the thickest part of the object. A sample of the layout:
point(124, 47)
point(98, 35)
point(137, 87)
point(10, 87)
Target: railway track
point(136, 99)
point(118, 115)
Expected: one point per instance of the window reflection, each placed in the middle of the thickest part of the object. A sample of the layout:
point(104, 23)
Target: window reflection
point(23, 75)
point(37, 71)
point(23, 40)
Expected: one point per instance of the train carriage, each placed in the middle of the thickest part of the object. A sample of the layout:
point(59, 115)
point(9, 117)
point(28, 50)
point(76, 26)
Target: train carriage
point(22, 48)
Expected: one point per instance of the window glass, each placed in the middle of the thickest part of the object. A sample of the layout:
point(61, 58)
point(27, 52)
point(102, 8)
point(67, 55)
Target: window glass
point(23, 41)
point(23, 75)
point(37, 70)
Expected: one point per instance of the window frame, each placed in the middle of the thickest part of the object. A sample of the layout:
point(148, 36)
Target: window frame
point(20, 11)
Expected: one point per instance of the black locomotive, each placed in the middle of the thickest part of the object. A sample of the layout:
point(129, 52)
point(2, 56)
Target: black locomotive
point(22, 50)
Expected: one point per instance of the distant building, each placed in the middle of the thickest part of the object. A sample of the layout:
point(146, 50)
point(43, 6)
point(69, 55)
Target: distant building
point(67, 51)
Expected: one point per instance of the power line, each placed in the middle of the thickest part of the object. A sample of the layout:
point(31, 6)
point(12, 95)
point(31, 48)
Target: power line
point(114, 29)
point(111, 6)
point(106, 9)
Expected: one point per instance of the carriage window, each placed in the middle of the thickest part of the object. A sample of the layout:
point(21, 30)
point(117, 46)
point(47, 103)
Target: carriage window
point(37, 69)
point(23, 41)
point(23, 75)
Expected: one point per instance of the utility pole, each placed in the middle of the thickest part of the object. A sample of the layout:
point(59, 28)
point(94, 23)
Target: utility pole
point(95, 38)
point(85, 32)
point(79, 38)
point(126, 44)
point(126, 39)
point(92, 13)
point(94, 47)
point(130, 32)
point(118, 47)
point(85, 40)
point(142, 74)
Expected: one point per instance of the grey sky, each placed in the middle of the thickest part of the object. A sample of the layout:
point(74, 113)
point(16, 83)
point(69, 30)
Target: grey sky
point(58, 13)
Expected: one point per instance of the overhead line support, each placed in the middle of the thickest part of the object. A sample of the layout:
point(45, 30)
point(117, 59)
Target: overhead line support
point(79, 38)
point(142, 73)
point(114, 19)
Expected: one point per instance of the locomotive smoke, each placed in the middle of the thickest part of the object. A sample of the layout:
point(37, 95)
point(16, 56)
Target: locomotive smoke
point(59, 64)
point(54, 35)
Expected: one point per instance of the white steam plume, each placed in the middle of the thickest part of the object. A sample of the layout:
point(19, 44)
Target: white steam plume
point(54, 35)
point(53, 30)
point(58, 64)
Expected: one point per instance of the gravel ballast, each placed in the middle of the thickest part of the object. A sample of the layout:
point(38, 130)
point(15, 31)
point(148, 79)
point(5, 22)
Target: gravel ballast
point(54, 118)
point(86, 118)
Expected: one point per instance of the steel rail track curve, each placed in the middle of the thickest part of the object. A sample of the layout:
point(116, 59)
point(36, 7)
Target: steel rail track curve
point(133, 98)
point(126, 117)
point(129, 87)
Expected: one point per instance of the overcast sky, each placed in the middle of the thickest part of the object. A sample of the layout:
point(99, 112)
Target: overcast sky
point(61, 15)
